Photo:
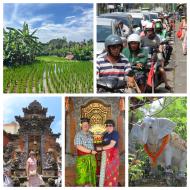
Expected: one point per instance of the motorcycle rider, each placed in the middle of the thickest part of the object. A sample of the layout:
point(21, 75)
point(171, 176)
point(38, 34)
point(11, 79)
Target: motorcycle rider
point(112, 64)
point(153, 41)
point(137, 58)
point(163, 35)
point(166, 21)
point(160, 31)
point(122, 30)
point(142, 34)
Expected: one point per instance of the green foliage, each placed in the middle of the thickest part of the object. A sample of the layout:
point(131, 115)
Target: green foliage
point(20, 46)
point(50, 75)
point(177, 112)
point(136, 170)
point(138, 114)
point(61, 47)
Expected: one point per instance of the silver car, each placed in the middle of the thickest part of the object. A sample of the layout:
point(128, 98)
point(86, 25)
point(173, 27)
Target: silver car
point(105, 27)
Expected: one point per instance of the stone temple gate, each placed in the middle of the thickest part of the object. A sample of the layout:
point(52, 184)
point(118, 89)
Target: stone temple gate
point(34, 134)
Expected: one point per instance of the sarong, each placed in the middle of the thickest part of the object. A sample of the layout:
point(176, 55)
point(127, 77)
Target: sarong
point(86, 170)
point(109, 171)
point(35, 181)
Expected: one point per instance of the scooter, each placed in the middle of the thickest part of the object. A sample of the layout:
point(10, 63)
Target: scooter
point(111, 85)
point(167, 50)
point(114, 85)
point(154, 78)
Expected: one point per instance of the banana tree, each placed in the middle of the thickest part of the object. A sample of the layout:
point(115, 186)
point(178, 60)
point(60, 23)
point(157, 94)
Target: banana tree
point(20, 46)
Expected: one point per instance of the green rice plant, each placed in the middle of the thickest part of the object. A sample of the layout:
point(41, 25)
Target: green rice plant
point(50, 74)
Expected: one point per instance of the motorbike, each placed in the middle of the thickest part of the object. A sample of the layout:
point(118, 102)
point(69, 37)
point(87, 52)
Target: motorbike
point(114, 85)
point(167, 50)
point(154, 78)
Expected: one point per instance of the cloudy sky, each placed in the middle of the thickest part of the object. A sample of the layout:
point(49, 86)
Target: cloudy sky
point(13, 107)
point(74, 21)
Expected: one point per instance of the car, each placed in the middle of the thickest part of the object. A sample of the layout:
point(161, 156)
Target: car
point(105, 27)
point(153, 15)
point(136, 18)
point(119, 16)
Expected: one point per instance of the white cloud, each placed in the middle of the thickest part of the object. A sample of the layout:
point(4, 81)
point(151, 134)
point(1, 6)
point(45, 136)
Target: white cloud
point(35, 19)
point(70, 23)
point(69, 17)
point(78, 8)
point(76, 29)
point(73, 28)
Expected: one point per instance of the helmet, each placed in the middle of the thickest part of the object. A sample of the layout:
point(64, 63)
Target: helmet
point(158, 26)
point(144, 23)
point(149, 26)
point(113, 40)
point(134, 38)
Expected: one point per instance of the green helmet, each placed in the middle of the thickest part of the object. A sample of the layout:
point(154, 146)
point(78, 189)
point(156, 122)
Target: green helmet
point(113, 40)
point(158, 26)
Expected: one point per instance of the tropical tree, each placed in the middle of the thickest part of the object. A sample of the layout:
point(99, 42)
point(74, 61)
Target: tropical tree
point(61, 47)
point(20, 46)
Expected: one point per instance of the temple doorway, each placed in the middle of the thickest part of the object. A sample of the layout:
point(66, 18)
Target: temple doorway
point(98, 110)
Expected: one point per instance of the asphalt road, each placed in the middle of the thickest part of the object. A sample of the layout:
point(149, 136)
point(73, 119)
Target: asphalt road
point(181, 68)
point(177, 68)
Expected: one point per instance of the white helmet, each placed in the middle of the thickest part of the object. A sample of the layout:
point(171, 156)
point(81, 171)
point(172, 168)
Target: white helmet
point(144, 23)
point(134, 38)
point(149, 26)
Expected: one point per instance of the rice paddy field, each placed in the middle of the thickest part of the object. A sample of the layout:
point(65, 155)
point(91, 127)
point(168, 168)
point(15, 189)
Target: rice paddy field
point(49, 74)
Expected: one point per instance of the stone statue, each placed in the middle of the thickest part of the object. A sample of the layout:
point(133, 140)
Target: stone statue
point(8, 156)
point(49, 161)
point(162, 145)
point(20, 159)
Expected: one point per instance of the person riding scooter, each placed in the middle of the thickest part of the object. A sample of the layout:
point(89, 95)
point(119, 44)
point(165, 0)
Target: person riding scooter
point(159, 30)
point(112, 65)
point(152, 41)
point(165, 48)
point(137, 58)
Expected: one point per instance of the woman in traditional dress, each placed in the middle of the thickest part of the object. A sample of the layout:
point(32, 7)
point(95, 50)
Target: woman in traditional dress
point(34, 179)
point(85, 162)
point(109, 171)
point(183, 37)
